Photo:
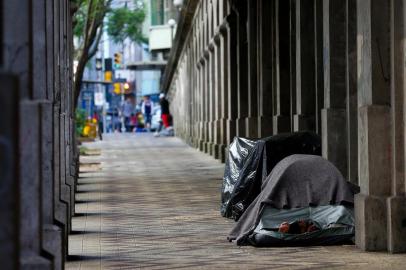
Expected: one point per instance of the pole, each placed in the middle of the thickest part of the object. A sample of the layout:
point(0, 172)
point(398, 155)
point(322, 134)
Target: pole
point(104, 110)
point(122, 112)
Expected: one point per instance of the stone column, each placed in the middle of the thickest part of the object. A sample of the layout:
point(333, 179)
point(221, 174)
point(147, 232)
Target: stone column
point(304, 119)
point(242, 66)
point(211, 77)
point(70, 159)
point(352, 103)
point(223, 76)
point(252, 119)
point(197, 90)
point(214, 43)
point(217, 96)
point(334, 124)
point(199, 100)
point(232, 77)
point(42, 87)
point(30, 223)
point(206, 95)
point(206, 100)
point(265, 61)
point(292, 49)
point(52, 234)
point(18, 51)
point(281, 122)
point(211, 96)
point(319, 68)
point(374, 140)
point(9, 228)
point(65, 185)
point(60, 204)
point(396, 203)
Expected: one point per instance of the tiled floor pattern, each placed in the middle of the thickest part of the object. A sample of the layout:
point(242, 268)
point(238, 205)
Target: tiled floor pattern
point(153, 203)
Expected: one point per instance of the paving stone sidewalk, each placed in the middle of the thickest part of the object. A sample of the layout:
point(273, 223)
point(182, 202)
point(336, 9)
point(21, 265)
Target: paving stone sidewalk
point(153, 203)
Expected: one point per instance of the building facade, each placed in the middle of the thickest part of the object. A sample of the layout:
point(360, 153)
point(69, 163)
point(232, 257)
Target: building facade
point(254, 68)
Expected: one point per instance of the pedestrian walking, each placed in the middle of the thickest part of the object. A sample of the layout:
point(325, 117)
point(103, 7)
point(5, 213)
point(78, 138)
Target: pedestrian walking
point(128, 110)
point(165, 115)
point(147, 108)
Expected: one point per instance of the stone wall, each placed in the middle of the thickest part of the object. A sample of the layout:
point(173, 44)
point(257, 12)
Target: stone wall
point(38, 159)
point(260, 67)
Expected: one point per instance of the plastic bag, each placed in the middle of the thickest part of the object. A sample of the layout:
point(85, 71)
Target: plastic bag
point(249, 162)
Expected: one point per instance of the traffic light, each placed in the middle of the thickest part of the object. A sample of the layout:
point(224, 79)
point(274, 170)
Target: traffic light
point(108, 76)
point(117, 60)
point(117, 88)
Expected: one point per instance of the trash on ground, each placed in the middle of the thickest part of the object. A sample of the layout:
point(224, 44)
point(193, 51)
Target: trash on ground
point(249, 162)
point(304, 201)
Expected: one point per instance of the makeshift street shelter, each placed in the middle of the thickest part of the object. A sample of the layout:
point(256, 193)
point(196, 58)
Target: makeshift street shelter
point(301, 188)
point(249, 162)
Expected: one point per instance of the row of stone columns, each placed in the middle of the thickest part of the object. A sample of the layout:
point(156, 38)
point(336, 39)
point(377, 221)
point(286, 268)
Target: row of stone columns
point(381, 206)
point(260, 67)
point(243, 73)
point(38, 161)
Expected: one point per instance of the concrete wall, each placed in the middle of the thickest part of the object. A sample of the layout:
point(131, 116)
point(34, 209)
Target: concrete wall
point(38, 158)
point(259, 67)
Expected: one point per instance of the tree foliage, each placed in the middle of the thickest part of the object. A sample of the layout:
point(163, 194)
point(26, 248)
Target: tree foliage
point(88, 17)
point(124, 23)
point(87, 23)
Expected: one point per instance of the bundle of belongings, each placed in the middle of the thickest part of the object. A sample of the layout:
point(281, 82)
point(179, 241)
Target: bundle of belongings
point(250, 162)
point(303, 201)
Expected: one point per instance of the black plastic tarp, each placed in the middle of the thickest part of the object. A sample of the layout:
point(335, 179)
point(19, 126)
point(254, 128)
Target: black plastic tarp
point(250, 161)
point(298, 186)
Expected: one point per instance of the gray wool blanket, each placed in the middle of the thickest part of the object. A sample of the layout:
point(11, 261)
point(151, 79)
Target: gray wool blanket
point(296, 181)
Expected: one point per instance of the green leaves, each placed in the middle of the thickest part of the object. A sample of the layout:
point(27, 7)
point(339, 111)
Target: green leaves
point(79, 20)
point(126, 23)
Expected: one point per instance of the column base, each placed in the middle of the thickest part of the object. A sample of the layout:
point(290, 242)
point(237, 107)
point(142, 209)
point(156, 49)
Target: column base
point(370, 222)
point(200, 145)
point(206, 147)
point(33, 261)
point(396, 209)
point(303, 123)
point(231, 130)
point(241, 127)
point(72, 195)
point(215, 150)
point(210, 146)
point(251, 124)
point(222, 138)
point(281, 124)
point(265, 126)
point(222, 152)
point(211, 137)
point(65, 193)
point(53, 244)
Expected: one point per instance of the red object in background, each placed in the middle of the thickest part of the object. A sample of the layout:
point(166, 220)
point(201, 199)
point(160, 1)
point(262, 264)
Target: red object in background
point(133, 120)
point(165, 120)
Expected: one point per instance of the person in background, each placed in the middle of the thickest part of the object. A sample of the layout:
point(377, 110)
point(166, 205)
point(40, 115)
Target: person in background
point(164, 110)
point(147, 108)
point(128, 110)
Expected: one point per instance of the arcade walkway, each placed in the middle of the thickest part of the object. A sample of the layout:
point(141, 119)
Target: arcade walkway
point(152, 203)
